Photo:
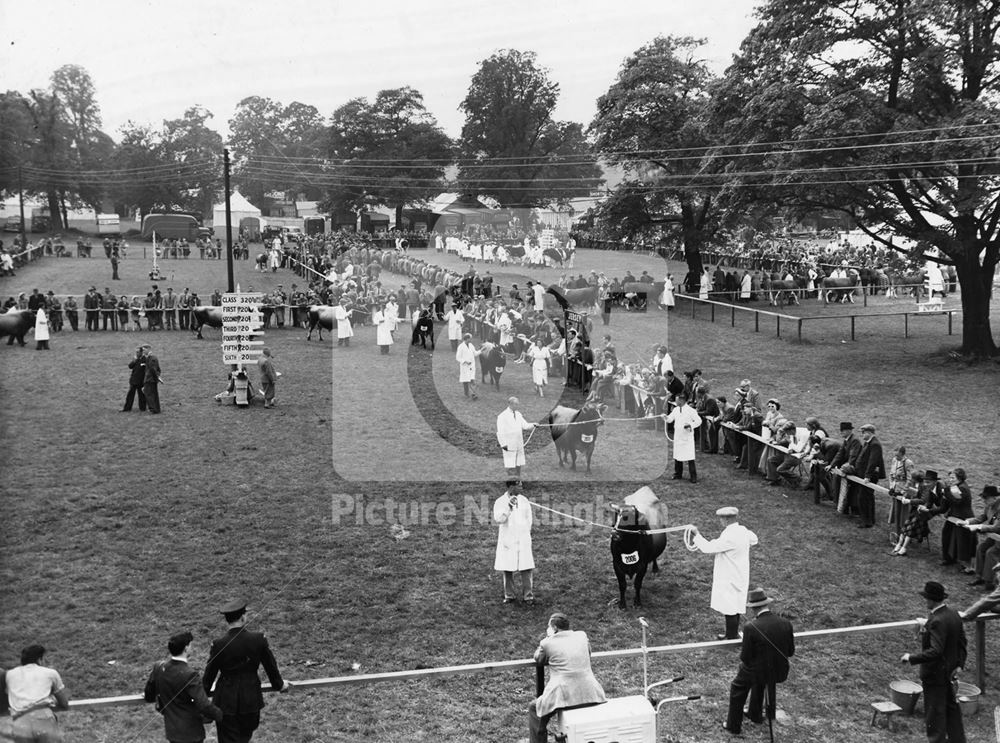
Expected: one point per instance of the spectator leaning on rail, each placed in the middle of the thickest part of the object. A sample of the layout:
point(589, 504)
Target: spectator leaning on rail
point(988, 551)
point(871, 467)
point(33, 691)
point(179, 694)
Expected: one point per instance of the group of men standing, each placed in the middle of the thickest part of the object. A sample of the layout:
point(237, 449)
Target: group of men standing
point(144, 380)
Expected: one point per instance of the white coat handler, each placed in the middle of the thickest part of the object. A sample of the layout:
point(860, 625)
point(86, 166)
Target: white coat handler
point(731, 577)
point(512, 512)
point(685, 421)
point(511, 426)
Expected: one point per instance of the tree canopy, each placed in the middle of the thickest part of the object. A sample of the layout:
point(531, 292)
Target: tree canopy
point(389, 151)
point(882, 109)
point(511, 148)
point(652, 123)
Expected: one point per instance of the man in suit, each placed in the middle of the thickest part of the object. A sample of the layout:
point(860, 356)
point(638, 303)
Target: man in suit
point(571, 681)
point(136, 379)
point(988, 551)
point(768, 643)
point(943, 652)
point(179, 694)
point(846, 460)
point(871, 467)
point(151, 382)
point(235, 659)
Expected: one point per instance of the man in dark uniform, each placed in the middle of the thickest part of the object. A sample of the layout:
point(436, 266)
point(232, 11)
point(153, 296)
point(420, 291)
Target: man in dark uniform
point(235, 659)
point(768, 643)
point(136, 379)
point(943, 652)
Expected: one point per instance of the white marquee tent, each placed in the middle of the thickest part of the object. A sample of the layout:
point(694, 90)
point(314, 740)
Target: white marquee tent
point(239, 208)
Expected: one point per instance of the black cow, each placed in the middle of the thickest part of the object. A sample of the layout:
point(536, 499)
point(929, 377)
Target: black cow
point(493, 361)
point(320, 316)
point(576, 431)
point(632, 548)
point(423, 328)
point(205, 315)
point(16, 323)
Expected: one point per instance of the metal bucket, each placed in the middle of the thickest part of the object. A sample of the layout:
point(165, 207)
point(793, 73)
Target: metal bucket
point(968, 698)
point(905, 694)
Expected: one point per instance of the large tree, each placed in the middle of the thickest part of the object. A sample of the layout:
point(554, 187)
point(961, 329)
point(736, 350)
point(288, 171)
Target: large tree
point(882, 109)
point(195, 151)
point(511, 148)
point(277, 147)
point(652, 123)
point(389, 152)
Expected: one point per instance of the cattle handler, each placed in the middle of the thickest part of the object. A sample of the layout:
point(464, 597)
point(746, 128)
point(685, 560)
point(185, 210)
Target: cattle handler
point(731, 576)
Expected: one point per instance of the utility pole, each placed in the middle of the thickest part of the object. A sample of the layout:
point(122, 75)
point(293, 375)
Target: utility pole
point(229, 222)
point(20, 195)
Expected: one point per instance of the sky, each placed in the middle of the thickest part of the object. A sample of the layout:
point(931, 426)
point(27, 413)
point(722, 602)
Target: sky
point(152, 61)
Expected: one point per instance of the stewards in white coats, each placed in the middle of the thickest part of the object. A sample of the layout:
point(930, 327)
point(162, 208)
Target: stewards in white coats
point(41, 331)
point(513, 513)
point(685, 420)
point(465, 355)
point(383, 328)
point(456, 319)
point(731, 577)
point(511, 426)
point(344, 329)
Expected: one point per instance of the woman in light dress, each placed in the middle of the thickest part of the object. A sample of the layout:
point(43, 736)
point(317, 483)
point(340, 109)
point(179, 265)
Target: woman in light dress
point(540, 356)
point(667, 295)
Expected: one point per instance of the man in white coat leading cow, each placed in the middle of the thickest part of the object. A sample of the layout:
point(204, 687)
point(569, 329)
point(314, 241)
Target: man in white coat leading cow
point(685, 421)
point(511, 426)
point(342, 313)
point(731, 577)
point(512, 512)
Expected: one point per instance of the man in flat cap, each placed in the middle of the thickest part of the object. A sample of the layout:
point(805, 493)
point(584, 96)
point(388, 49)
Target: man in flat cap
point(731, 576)
point(870, 466)
point(179, 694)
point(942, 653)
point(235, 658)
point(768, 643)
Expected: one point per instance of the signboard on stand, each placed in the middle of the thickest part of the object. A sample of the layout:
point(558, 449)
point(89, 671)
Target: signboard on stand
point(241, 327)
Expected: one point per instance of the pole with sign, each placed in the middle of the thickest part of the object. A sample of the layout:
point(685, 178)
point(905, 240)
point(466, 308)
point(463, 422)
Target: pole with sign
point(241, 326)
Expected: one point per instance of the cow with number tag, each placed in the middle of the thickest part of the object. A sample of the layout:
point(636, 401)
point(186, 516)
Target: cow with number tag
point(576, 431)
point(633, 549)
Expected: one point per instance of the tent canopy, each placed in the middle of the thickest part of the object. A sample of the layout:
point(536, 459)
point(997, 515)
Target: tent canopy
point(239, 208)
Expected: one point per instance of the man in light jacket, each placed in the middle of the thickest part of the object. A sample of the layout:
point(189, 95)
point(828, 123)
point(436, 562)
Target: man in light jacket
point(511, 426)
point(731, 576)
point(571, 681)
point(685, 421)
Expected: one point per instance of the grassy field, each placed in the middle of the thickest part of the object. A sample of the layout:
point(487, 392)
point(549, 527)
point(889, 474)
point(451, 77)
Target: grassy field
point(120, 529)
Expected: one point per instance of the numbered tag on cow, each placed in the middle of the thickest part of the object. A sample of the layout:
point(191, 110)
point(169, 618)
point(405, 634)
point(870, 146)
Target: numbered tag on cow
point(587, 438)
point(630, 558)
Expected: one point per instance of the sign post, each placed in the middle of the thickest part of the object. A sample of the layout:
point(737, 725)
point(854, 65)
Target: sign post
point(241, 323)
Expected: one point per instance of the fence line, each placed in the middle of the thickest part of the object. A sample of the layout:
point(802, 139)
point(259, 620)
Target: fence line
point(799, 321)
point(508, 665)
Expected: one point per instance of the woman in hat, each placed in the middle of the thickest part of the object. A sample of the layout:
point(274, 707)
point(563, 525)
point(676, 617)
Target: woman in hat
point(958, 544)
point(899, 472)
point(928, 502)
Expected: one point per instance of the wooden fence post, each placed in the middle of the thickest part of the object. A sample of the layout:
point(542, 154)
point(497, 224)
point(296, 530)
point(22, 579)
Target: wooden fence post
point(852, 326)
point(906, 324)
point(800, 329)
point(733, 323)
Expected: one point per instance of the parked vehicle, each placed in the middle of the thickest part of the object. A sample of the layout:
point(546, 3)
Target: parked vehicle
point(13, 224)
point(172, 226)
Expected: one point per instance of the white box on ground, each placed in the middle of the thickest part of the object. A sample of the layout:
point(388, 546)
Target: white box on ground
point(622, 720)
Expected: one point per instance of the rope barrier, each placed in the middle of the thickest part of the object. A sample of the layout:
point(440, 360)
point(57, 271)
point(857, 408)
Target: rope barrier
point(666, 530)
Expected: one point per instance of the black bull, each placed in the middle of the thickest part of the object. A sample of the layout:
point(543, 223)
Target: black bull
point(493, 361)
point(633, 549)
point(16, 323)
point(320, 316)
point(575, 431)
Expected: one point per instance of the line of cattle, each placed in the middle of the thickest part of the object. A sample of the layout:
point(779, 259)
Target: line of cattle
point(780, 291)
